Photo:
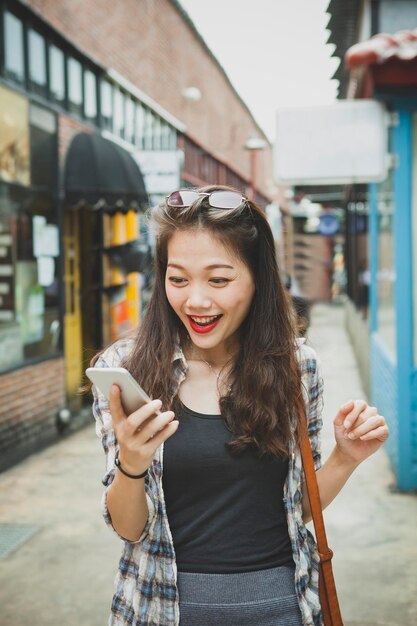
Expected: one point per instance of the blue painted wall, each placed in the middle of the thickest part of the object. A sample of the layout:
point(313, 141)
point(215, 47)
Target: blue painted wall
point(384, 393)
point(394, 379)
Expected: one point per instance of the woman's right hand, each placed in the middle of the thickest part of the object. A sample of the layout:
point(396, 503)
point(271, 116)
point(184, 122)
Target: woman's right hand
point(139, 434)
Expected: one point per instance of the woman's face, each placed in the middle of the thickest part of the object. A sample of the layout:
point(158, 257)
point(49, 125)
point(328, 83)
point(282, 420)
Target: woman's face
point(209, 288)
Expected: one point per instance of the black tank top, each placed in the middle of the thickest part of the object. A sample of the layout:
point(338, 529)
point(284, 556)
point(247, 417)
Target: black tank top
point(226, 513)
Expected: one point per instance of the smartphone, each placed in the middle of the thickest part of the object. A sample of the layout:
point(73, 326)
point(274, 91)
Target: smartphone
point(132, 395)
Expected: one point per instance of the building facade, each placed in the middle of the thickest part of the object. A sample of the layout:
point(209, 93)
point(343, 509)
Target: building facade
point(96, 122)
point(381, 219)
point(389, 74)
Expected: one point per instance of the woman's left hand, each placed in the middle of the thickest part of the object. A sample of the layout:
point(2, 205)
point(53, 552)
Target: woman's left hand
point(359, 430)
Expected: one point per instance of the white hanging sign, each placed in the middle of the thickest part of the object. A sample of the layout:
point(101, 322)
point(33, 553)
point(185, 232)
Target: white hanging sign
point(337, 144)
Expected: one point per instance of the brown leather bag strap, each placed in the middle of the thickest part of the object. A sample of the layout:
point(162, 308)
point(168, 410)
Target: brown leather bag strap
point(314, 498)
point(327, 587)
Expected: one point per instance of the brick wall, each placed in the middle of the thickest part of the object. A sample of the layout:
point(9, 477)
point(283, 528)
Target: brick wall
point(68, 127)
point(29, 400)
point(151, 44)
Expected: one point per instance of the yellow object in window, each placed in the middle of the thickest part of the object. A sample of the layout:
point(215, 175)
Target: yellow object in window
point(118, 229)
point(133, 299)
point(131, 225)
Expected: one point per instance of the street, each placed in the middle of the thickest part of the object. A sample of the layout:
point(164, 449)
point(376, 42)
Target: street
point(63, 573)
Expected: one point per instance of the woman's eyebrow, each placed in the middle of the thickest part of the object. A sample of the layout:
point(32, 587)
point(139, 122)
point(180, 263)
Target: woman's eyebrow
point(209, 267)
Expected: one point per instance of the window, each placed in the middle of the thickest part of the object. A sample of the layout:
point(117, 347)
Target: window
point(90, 96)
point(148, 130)
point(56, 75)
point(130, 120)
point(157, 133)
point(42, 147)
point(106, 103)
point(119, 113)
point(140, 125)
point(29, 305)
point(14, 48)
point(37, 63)
point(168, 136)
point(75, 86)
point(29, 241)
point(172, 138)
point(165, 135)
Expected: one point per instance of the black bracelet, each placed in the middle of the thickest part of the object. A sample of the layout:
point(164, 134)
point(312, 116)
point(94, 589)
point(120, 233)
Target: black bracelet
point(117, 463)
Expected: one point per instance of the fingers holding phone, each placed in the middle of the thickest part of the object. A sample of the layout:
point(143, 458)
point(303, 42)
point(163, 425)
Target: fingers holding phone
point(145, 422)
point(139, 425)
point(140, 433)
point(159, 430)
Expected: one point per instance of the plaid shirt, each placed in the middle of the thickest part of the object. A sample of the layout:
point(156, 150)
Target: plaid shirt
point(146, 592)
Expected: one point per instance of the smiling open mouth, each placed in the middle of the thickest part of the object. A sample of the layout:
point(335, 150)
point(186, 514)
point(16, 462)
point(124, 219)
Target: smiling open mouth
point(204, 324)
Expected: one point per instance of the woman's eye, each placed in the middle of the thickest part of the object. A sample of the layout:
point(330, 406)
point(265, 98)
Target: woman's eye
point(220, 281)
point(176, 281)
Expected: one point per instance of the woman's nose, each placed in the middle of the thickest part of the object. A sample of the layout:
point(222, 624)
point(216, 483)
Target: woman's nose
point(198, 299)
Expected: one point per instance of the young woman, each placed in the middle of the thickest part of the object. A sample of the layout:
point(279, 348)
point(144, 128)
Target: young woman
point(208, 496)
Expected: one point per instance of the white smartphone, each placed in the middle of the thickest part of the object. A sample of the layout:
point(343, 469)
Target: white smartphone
point(132, 394)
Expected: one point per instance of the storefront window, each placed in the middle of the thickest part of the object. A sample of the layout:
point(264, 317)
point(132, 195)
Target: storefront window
point(75, 86)
point(90, 98)
point(414, 228)
point(106, 103)
point(29, 288)
point(37, 62)
point(14, 48)
point(119, 113)
point(386, 265)
point(56, 75)
point(29, 251)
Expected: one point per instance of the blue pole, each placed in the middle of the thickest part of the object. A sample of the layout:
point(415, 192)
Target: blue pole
point(403, 293)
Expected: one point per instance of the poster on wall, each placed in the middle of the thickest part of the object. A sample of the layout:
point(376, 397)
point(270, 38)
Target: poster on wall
point(30, 302)
point(45, 237)
point(14, 137)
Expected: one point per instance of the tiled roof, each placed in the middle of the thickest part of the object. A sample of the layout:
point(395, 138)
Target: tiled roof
point(379, 49)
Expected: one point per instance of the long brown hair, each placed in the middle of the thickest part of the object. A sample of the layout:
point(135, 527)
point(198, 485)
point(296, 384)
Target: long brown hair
point(265, 377)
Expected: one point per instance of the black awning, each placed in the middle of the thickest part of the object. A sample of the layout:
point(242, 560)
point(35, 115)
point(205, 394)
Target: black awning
point(98, 170)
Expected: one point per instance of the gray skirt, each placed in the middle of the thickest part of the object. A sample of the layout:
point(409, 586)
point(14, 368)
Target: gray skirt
point(262, 598)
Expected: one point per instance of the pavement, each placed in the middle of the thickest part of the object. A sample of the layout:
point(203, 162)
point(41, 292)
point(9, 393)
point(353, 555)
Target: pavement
point(63, 573)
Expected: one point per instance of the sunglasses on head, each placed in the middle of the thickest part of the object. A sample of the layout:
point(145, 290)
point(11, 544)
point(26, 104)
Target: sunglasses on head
point(216, 199)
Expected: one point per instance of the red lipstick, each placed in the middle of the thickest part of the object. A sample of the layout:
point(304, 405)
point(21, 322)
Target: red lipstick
point(203, 329)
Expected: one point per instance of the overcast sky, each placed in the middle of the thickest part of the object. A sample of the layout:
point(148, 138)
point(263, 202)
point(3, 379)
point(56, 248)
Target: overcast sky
point(273, 51)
